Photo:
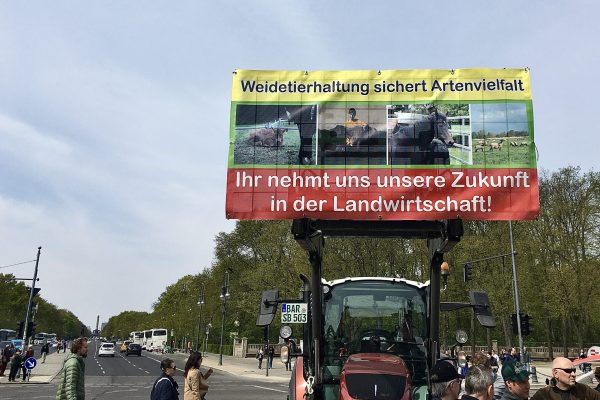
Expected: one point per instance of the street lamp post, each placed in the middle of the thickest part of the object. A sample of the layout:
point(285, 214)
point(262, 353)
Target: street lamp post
point(208, 326)
point(200, 304)
point(224, 296)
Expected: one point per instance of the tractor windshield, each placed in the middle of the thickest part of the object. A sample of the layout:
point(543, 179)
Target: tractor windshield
point(375, 316)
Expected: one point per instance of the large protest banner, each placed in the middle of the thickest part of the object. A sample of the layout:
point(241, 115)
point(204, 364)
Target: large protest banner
point(388, 145)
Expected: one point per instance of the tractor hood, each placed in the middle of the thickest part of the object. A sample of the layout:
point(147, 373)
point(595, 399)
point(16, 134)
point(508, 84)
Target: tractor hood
point(375, 376)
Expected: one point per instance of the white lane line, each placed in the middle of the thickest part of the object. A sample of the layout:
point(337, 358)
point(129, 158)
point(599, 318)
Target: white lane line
point(267, 388)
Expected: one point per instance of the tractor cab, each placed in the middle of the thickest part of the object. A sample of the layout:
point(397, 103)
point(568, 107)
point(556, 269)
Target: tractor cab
point(374, 336)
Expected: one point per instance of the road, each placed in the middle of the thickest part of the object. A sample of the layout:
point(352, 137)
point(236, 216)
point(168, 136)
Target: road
point(131, 378)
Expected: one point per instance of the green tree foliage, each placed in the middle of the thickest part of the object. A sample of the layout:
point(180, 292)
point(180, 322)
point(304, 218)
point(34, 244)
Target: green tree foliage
point(557, 262)
point(48, 318)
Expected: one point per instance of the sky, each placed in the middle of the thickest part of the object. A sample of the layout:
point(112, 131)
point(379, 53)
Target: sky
point(114, 116)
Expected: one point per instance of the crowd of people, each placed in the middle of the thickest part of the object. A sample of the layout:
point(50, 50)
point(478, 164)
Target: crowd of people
point(505, 376)
point(487, 376)
point(13, 359)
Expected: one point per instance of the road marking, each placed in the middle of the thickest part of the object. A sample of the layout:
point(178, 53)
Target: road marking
point(267, 388)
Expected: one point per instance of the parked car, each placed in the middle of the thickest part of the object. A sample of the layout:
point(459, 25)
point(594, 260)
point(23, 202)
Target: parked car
point(18, 343)
point(134, 348)
point(106, 349)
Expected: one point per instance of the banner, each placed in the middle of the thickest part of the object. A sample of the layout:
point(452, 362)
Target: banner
point(382, 145)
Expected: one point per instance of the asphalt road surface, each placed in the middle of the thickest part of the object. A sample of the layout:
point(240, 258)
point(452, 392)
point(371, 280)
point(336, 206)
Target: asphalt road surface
point(132, 377)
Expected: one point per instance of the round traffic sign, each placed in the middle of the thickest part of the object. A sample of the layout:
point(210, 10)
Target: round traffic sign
point(30, 363)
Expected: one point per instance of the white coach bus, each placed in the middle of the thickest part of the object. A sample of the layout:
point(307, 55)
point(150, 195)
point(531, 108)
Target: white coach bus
point(146, 339)
point(157, 340)
point(137, 337)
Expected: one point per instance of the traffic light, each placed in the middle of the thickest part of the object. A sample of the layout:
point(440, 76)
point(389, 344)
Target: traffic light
point(468, 271)
point(19, 329)
point(515, 328)
point(525, 324)
point(31, 326)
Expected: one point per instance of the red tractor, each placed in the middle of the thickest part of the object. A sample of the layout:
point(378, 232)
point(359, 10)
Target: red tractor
point(369, 337)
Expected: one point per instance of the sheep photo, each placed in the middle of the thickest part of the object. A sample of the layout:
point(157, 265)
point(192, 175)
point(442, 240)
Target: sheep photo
point(500, 134)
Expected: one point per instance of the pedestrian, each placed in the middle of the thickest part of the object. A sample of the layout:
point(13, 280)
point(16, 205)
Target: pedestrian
point(15, 364)
point(581, 355)
point(563, 384)
point(259, 356)
point(516, 378)
point(196, 385)
point(285, 355)
point(502, 356)
point(45, 350)
point(445, 381)
point(271, 356)
point(495, 357)
point(482, 360)
point(526, 358)
point(478, 384)
point(597, 376)
point(72, 381)
point(493, 362)
point(29, 353)
point(165, 387)
point(4, 359)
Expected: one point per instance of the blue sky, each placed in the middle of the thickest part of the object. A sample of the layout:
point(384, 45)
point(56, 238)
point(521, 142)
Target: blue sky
point(114, 115)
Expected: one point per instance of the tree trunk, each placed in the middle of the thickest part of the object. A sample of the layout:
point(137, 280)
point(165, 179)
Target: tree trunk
point(473, 332)
point(549, 339)
point(507, 334)
point(564, 337)
point(577, 326)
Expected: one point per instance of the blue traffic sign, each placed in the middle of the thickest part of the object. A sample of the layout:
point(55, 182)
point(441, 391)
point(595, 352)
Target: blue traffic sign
point(30, 363)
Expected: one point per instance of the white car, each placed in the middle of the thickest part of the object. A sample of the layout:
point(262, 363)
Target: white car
point(106, 349)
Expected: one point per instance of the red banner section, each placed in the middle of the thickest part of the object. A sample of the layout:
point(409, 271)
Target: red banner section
point(382, 194)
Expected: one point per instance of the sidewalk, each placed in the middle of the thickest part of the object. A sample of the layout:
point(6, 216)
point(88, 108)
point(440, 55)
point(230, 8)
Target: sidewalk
point(247, 367)
point(42, 373)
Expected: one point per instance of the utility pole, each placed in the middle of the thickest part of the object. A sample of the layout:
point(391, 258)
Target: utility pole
point(224, 296)
point(515, 286)
point(200, 304)
point(37, 262)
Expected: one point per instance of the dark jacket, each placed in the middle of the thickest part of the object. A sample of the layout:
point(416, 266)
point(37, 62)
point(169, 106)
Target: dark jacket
point(72, 383)
point(578, 392)
point(507, 395)
point(164, 388)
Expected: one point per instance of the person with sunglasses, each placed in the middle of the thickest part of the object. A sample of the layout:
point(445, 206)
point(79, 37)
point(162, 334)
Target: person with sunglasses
point(445, 381)
point(563, 385)
point(516, 378)
point(165, 387)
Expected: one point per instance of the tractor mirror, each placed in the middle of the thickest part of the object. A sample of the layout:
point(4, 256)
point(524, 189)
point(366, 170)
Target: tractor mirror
point(268, 307)
point(481, 306)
